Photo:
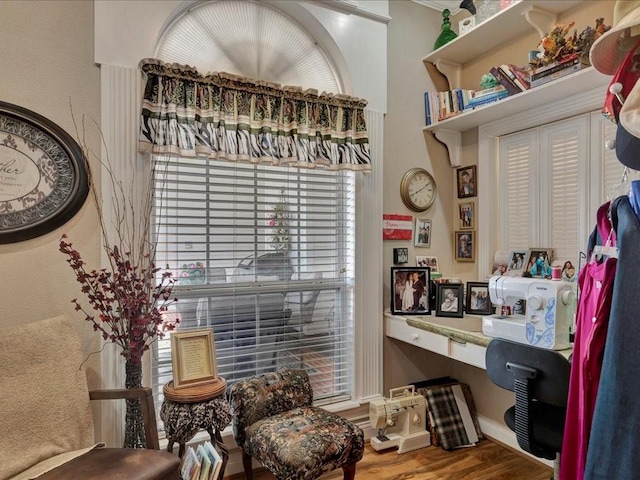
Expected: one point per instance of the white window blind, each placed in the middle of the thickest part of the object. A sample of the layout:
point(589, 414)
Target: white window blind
point(545, 176)
point(264, 256)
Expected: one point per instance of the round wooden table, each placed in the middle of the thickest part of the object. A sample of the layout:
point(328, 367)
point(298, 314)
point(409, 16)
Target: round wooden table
point(185, 411)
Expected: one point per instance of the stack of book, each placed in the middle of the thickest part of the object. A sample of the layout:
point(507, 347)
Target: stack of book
point(203, 463)
point(513, 78)
point(553, 71)
point(442, 105)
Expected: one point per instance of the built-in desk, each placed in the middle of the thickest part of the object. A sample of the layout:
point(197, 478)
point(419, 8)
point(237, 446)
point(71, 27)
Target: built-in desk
point(457, 338)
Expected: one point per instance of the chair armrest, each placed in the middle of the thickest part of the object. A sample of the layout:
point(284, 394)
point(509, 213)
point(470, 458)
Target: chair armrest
point(145, 395)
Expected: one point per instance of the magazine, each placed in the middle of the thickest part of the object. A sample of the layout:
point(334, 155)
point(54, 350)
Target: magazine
point(190, 465)
point(215, 459)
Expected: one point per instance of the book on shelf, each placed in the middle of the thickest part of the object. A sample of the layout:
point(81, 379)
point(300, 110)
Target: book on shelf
point(505, 81)
point(215, 458)
point(486, 99)
point(202, 463)
point(556, 75)
point(522, 74)
point(506, 69)
point(191, 465)
point(205, 469)
point(566, 62)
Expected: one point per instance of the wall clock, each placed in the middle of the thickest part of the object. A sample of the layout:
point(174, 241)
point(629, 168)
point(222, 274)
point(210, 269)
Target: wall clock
point(43, 175)
point(418, 189)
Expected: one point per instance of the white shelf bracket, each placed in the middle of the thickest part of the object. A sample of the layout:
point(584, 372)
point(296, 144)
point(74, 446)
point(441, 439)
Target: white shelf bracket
point(539, 19)
point(451, 70)
point(453, 141)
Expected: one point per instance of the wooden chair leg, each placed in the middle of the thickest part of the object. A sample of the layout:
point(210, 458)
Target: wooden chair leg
point(246, 464)
point(349, 471)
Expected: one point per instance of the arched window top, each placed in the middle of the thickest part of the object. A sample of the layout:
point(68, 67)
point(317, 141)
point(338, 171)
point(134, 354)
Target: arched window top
point(250, 39)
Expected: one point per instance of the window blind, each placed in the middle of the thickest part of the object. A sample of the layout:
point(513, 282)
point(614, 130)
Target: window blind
point(263, 256)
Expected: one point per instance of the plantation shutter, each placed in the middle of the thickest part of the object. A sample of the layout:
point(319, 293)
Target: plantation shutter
point(264, 256)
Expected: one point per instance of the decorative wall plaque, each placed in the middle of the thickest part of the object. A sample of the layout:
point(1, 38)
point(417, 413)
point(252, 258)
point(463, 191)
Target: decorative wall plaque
point(43, 175)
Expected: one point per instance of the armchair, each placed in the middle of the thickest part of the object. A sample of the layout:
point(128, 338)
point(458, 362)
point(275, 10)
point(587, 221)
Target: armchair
point(47, 427)
point(540, 380)
point(275, 422)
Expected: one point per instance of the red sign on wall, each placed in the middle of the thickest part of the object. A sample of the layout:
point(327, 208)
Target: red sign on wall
point(397, 227)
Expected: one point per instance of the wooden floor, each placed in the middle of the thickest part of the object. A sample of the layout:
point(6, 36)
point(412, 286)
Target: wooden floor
point(485, 461)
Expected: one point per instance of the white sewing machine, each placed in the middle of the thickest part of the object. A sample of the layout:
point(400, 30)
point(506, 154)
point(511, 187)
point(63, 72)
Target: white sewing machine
point(547, 315)
point(400, 420)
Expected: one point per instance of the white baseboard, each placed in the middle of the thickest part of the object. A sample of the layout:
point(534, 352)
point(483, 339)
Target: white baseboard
point(504, 434)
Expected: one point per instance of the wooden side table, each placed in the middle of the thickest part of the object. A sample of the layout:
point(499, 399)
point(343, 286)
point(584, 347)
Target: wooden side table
point(185, 411)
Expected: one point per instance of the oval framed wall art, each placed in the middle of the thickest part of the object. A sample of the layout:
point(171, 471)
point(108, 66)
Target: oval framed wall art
point(43, 175)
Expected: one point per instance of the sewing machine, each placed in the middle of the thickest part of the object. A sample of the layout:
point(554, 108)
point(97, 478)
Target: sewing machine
point(544, 315)
point(400, 420)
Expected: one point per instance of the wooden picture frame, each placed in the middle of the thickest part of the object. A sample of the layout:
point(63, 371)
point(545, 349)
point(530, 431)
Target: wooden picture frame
point(426, 261)
point(535, 269)
point(414, 301)
point(477, 299)
point(193, 358)
point(467, 181)
point(449, 300)
point(422, 233)
point(466, 216)
point(464, 245)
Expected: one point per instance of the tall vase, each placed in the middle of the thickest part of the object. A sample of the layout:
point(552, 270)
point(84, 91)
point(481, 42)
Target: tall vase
point(134, 436)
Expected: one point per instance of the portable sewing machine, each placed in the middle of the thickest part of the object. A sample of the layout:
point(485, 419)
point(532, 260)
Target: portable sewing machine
point(400, 420)
point(546, 317)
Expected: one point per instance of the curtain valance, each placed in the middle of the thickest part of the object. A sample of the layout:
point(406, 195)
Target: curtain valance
point(220, 115)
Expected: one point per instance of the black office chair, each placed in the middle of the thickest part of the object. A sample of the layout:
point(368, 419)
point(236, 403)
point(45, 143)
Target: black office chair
point(540, 380)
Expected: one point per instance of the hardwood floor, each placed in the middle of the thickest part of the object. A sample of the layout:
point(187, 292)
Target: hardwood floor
point(485, 461)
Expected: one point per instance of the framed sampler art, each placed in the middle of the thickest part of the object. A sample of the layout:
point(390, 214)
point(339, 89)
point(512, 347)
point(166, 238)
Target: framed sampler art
point(43, 175)
point(193, 358)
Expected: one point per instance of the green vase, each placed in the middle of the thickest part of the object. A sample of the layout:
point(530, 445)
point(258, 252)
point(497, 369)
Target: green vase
point(446, 35)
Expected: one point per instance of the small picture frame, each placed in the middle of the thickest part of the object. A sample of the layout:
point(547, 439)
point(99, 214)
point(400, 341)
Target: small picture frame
point(538, 263)
point(464, 245)
point(410, 290)
point(478, 301)
point(422, 233)
point(193, 358)
point(431, 262)
point(400, 256)
point(516, 263)
point(449, 300)
point(467, 183)
point(466, 216)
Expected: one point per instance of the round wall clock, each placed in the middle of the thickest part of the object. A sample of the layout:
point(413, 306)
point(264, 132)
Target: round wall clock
point(43, 175)
point(418, 189)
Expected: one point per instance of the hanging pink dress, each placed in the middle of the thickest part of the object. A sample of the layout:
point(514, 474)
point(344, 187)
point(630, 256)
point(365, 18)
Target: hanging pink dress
point(592, 318)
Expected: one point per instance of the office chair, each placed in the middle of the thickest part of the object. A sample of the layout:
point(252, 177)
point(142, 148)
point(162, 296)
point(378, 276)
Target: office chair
point(540, 380)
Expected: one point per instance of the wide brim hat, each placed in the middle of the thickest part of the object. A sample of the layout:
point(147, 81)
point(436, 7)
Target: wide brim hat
point(608, 51)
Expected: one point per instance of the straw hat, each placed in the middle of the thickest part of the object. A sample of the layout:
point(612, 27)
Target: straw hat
point(610, 48)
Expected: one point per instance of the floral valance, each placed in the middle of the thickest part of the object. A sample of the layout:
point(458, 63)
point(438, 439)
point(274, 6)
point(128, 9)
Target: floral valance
point(220, 115)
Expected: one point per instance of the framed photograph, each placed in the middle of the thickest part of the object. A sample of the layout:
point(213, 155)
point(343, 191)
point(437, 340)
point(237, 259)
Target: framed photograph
point(449, 300)
point(422, 233)
point(516, 263)
point(193, 358)
point(464, 245)
point(478, 301)
point(538, 263)
point(467, 217)
point(410, 290)
point(431, 262)
point(400, 255)
point(43, 175)
point(466, 177)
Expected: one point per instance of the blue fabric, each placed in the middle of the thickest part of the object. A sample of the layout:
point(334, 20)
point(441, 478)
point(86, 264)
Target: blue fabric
point(614, 445)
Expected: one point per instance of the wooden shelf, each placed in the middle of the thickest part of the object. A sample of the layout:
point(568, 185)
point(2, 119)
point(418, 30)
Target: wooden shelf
point(564, 87)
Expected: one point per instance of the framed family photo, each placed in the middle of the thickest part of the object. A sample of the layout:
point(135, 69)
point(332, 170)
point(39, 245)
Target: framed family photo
point(449, 300)
point(410, 290)
point(422, 233)
point(478, 301)
point(464, 245)
point(516, 263)
point(431, 262)
point(467, 218)
point(466, 182)
point(538, 263)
